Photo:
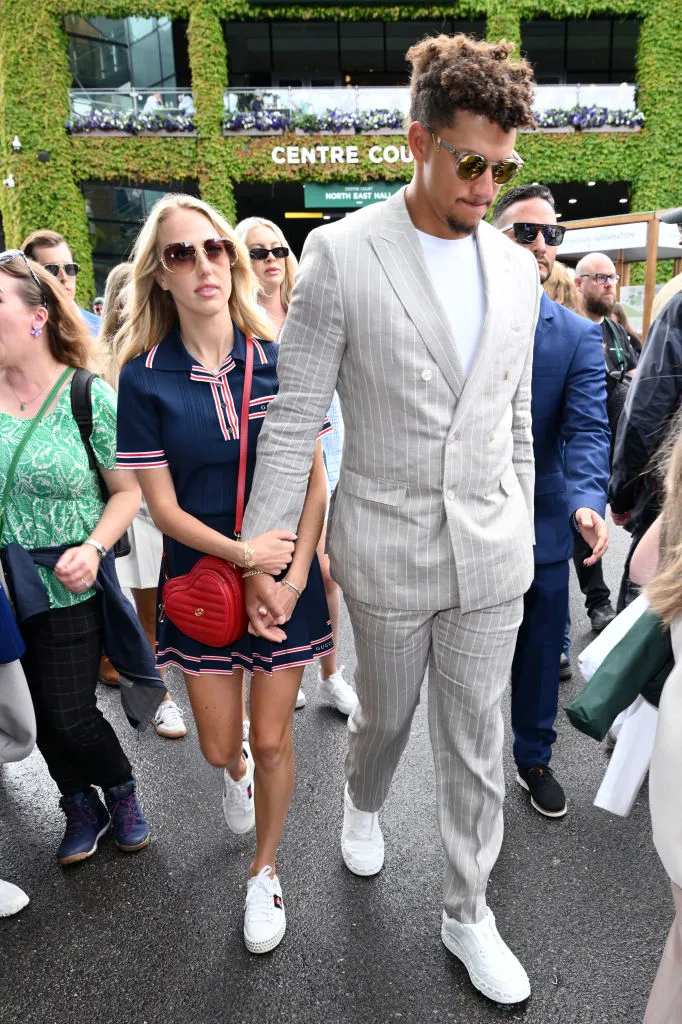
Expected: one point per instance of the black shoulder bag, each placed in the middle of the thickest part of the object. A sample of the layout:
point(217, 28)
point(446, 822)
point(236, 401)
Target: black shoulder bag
point(81, 408)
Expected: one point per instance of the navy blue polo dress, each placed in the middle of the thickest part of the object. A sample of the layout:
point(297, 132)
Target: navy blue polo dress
point(173, 412)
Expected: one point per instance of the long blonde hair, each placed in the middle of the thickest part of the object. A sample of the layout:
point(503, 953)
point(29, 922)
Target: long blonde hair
point(560, 287)
point(665, 590)
point(290, 264)
point(150, 312)
point(113, 314)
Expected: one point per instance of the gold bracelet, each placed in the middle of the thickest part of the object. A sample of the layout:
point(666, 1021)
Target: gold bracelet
point(253, 572)
point(292, 587)
point(249, 561)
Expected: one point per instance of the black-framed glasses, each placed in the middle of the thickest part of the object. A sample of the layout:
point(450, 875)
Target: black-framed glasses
point(280, 252)
point(525, 232)
point(11, 254)
point(181, 257)
point(70, 269)
point(603, 279)
point(470, 166)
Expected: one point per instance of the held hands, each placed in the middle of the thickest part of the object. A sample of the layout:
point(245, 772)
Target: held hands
point(269, 605)
point(594, 531)
point(77, 568)
point(272, 551)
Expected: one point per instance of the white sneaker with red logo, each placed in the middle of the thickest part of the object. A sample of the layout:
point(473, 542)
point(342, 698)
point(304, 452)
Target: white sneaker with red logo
point(264, 919)
point(238, 805)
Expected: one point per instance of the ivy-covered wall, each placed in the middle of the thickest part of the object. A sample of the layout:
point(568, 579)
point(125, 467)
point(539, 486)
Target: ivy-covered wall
point(34, 82)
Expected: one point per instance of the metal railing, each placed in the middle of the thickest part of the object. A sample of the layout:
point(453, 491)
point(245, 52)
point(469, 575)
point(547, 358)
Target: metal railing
point(128, 100)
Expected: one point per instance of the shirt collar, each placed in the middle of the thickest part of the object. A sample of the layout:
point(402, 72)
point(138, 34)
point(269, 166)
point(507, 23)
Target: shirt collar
point(172, 355)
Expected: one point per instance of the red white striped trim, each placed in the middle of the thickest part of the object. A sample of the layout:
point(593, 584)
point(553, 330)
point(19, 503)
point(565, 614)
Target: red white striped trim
point(149, 361)
point(231, 410)
point(141, 465)
point(222, 422)
point(259, 349)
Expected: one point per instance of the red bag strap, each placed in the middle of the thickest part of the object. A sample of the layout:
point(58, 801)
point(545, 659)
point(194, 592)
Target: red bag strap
point(244, 437)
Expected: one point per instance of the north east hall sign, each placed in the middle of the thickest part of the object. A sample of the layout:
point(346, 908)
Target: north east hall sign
point(340, 155)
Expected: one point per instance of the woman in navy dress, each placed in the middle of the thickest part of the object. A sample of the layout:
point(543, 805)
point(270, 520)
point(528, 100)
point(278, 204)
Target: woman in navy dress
point(183, 344)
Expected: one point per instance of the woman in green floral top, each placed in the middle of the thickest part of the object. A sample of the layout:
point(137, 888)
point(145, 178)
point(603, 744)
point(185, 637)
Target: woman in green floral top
point(51, 498)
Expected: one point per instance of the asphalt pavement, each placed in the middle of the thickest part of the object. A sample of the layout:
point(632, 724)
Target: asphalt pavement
point(156, 936)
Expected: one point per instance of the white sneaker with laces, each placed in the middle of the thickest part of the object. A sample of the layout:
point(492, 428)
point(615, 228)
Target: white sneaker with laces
point(300, 700)
point(335, 691)
point(238, 805)
point(12, 899)
point(493, 968)
point(362, 844)
point(168, 720)
point(264, 919)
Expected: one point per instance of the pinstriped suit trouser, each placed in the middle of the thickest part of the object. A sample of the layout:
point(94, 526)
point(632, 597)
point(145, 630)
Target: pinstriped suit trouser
point(468, 657)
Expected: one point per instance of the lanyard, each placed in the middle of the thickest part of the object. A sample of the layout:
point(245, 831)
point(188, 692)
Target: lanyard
point(616, 343)
point(24, 441)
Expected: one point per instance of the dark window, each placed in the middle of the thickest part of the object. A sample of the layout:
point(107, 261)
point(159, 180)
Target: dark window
point(313, 46)
point(581, 50)
point(400, 35)
point(248, 47)
point(362, 46)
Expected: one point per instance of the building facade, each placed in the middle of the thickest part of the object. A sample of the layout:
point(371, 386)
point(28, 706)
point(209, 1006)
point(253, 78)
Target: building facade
point(228, 73)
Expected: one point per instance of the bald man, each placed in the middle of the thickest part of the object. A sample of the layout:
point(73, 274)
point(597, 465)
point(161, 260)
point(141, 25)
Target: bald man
point(596, 280)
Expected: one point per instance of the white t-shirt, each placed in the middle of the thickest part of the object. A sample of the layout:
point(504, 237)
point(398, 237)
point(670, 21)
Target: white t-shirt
point(454, 267)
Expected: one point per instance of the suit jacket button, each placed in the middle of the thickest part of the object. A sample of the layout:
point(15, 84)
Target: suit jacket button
point(426, 375)
point(492, 435)
point(486, 493)
point(507, 374)
point(450, 495)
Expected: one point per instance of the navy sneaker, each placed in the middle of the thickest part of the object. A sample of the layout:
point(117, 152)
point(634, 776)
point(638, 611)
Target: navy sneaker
point(128, 824)
point(87, 819)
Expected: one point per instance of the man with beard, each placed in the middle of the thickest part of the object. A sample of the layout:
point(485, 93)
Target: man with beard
point(422, 317)
point(571, 444)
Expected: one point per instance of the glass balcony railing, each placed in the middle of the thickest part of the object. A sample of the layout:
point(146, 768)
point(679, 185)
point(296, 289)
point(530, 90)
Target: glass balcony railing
point(363, 108)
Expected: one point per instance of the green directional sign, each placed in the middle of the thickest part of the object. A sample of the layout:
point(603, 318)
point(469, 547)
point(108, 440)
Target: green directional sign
point(320, 197)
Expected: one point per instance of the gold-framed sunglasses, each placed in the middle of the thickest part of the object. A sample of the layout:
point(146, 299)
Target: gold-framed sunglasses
point(181, 257)
point(469, 166)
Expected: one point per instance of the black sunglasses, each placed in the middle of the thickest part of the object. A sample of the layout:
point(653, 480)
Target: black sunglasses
point(525, 233)
point(470, 166)
point(12, 254)
point(70, 269)
point(280, 252)
point(181, 257)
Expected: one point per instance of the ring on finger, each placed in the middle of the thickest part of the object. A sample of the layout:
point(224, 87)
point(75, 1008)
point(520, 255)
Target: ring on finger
point(84, 582)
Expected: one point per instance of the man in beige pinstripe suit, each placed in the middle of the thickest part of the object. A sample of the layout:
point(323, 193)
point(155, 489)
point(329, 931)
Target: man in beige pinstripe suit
point(422, 318)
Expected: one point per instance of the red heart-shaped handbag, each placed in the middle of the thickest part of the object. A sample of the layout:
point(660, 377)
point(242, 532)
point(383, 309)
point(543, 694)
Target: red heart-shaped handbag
point(207, 603)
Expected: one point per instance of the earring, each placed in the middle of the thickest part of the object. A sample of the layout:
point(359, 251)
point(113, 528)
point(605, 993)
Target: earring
point(36, 331)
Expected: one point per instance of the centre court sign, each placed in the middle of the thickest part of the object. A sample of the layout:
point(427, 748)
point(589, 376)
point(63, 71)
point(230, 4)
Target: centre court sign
point(340, 155)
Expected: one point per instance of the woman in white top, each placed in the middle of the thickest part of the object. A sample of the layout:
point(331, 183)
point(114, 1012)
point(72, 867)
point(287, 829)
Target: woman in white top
point(275, 266)
point(658, 563)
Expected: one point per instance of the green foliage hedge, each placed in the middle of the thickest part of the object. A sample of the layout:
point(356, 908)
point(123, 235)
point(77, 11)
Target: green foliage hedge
point(34, 82)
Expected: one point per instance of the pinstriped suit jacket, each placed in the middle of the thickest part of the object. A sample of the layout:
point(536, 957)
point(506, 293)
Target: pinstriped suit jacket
point(434, 505)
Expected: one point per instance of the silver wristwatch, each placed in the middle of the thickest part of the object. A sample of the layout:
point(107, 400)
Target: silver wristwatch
point(99, 548)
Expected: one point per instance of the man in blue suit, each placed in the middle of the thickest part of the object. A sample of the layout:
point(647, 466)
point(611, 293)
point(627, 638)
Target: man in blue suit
point(571, 441)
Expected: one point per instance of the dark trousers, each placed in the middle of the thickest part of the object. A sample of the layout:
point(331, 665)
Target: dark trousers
point(535, 668)
point(590, 577)
point(61, 663)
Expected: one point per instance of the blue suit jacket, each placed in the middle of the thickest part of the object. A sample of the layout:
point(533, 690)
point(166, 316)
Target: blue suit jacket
point(571, 437)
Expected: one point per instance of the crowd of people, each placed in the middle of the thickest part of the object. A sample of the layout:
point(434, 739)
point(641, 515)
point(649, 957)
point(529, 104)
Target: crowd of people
point(486, 425)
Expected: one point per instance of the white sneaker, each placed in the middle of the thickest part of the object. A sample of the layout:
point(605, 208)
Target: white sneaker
point(264, 919)
point(12, 899)
point(492, 967)
point(362, 844)
point(334, 690)
point(300, 699)
point(238, 805)
point(246, 725)
point(168, 720)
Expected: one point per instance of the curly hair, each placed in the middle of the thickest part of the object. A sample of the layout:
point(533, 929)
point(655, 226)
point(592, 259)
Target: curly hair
point(451, 73)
